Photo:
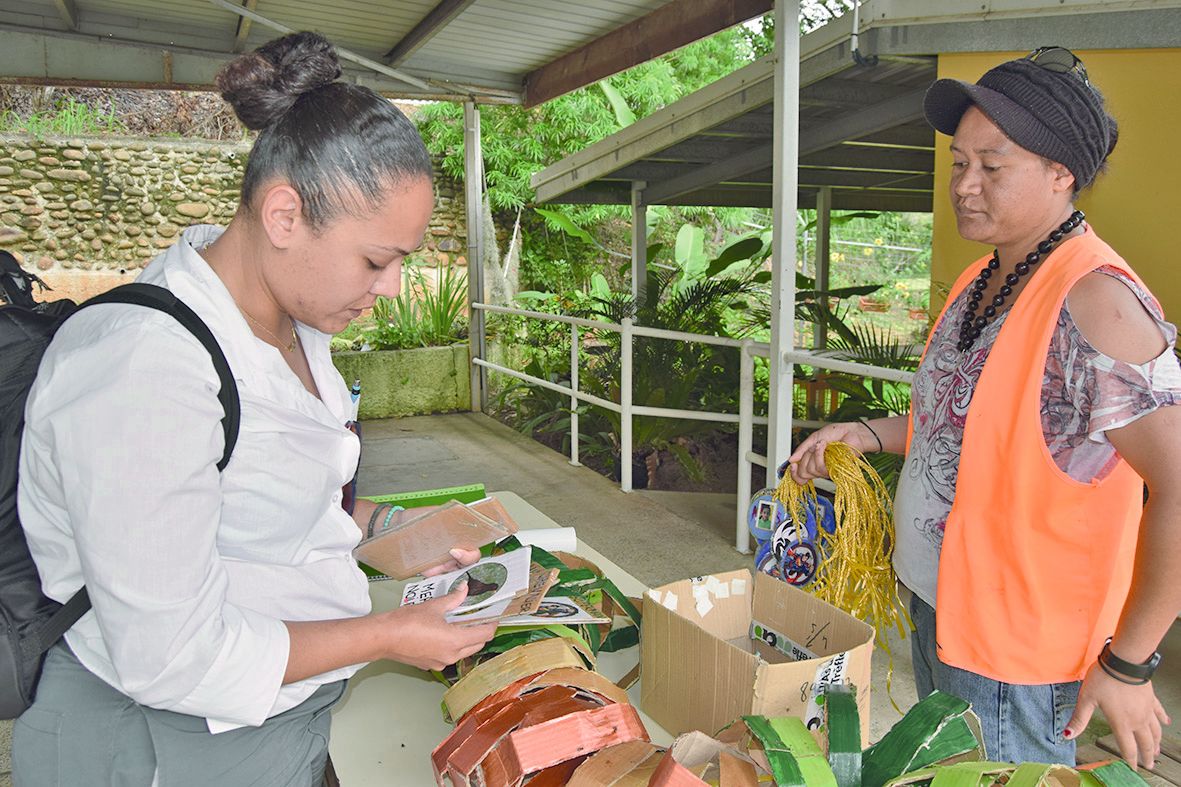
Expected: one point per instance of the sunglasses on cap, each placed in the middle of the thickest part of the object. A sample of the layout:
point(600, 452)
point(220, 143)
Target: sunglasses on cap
point(1060, 60)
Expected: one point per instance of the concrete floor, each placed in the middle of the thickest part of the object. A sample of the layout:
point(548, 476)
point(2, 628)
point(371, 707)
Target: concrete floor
point(638, 531)
point(656, 536)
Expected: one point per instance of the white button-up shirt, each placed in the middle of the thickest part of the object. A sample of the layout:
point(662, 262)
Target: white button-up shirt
point(191, 572)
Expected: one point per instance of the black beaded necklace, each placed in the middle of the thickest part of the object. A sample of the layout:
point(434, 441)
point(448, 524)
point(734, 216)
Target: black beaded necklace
point(973, 325)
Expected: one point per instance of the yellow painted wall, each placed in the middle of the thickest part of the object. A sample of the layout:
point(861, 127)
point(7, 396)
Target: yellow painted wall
point(1136, 205)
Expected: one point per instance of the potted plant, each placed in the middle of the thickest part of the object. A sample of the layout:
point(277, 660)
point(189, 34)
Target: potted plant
point(914, 297)
point(407, 357)
point(872, 303)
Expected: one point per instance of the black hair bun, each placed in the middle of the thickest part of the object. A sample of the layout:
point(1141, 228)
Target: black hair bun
point(262, 85)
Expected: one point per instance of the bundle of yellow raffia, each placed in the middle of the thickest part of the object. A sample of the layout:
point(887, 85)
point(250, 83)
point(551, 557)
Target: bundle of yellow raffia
point(856, 571)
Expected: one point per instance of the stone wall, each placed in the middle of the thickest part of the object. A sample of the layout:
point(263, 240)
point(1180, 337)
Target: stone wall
point(87, 214)
point(446, 240)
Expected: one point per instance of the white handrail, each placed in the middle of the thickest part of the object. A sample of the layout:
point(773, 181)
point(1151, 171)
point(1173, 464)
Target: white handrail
point(745, 417)
point(584, 397)
point(822, 361)
point(551, 317)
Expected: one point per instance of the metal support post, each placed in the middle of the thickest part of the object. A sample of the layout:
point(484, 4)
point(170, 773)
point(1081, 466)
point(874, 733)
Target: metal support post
point(625, 404)
point(823, 239)
point(573, 394)
point(473, 174)
point(746, 411)
point(786, 182)
point(639, 242)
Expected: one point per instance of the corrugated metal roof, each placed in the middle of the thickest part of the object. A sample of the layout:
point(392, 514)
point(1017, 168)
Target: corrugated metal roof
point(489, 44)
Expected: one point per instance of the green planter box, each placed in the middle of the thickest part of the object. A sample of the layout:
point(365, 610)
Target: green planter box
point(409, 382)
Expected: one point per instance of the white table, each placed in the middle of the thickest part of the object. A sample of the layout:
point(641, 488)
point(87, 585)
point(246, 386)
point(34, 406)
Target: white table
point(389, 720)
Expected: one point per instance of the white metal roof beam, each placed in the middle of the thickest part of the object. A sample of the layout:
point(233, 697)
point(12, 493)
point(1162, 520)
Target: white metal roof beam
point(860, 157)
point(752, 124)
point(911, 136)
point(671, 26)
point(809, 177)
point(38, 57)
point(68, 12)
point(740, 196)
point(848, 92)
point(439, 17)
point(244, 23)
point(962, 26)
point(341, 52)
point(715, 104)
point(875, 118)
point(732, 168)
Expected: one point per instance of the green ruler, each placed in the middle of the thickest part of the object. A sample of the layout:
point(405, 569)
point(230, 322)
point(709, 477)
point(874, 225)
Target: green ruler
point(433, 497)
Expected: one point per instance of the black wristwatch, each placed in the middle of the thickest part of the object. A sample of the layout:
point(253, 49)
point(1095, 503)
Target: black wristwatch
point(1127, 671)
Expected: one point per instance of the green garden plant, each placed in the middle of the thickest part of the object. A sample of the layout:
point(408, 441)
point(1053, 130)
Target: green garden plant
point(70, 117)
point(421, 315)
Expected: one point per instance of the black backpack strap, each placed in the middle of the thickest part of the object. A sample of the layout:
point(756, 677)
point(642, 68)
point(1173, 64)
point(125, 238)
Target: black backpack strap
point(154, 297)
point(56, 625)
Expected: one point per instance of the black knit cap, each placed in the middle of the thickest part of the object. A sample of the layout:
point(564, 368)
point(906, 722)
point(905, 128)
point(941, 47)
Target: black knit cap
point(1053, 114)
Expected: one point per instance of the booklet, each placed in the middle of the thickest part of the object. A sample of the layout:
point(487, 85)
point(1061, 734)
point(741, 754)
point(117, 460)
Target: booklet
point(566, 610)
point(524, 604)
point(490, 581)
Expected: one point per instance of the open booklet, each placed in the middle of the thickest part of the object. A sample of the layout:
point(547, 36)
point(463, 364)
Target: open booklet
point(509, 589)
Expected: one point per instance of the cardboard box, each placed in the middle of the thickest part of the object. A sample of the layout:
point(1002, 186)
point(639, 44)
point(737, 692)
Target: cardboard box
point(702, 667)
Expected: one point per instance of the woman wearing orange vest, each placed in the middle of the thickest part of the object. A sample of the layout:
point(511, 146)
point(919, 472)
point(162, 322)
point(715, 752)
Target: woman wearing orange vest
point(1041, 584)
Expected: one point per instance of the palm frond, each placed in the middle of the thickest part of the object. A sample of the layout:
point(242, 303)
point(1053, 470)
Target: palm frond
point(875, 346)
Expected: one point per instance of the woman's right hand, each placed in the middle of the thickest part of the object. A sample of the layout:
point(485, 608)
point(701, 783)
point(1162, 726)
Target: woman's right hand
point(807, 461)
point(422, 637)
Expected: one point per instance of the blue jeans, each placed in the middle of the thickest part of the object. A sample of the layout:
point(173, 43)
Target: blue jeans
point(1020, 723)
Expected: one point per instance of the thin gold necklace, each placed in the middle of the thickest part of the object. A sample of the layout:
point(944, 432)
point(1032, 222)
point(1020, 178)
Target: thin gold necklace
point(290, 347)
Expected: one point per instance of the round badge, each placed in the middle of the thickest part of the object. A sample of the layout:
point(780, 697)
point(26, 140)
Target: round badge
point(767, 562)
point(785, 534)
point(799, 563)
point(764, 514)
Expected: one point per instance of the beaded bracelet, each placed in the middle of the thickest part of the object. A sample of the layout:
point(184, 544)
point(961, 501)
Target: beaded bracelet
point(389, 509)
point(373, 518)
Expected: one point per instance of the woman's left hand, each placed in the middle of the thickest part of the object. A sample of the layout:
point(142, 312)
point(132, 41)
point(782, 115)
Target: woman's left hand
point(1134, 713)
point(459, 559)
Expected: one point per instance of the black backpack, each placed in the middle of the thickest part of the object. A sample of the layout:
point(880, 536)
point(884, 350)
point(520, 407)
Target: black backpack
point(30, 623)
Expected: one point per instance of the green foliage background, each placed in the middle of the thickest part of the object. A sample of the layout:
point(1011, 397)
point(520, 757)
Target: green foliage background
point(518, 142)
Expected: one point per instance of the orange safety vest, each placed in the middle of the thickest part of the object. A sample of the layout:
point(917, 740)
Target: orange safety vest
point(1035, 566)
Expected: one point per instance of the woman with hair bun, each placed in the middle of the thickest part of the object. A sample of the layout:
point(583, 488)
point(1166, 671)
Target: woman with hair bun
point(228, 611)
